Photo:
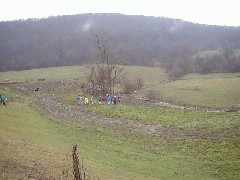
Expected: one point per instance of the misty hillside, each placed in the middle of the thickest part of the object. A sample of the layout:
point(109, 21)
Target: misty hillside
point(171, 43)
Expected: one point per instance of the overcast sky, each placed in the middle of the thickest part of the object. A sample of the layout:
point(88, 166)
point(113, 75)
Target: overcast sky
point(213, 12)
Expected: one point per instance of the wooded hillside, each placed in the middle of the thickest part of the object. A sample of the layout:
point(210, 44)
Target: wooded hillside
point(66, 40)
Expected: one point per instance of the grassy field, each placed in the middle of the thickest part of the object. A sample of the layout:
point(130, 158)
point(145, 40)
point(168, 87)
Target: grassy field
point(54, 73)
point(151, 76)
point(210, 90)
point(170, 117)
point(27, 138)
point(32, 144)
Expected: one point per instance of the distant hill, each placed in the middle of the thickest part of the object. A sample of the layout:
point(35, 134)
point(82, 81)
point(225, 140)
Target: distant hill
point(171, 43)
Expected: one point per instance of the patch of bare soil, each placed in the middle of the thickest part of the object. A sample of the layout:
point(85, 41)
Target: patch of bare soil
point(46, 96)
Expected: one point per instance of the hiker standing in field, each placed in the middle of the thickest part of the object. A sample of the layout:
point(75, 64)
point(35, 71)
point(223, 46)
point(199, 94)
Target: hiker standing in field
point(79, 100)
point(86, 100)
point(112, 99)
point(100, 100)
point(119, 99)
point(92, 100)
point(115, 99)
point(0, 99)
point(109, 99)
point(3, 99)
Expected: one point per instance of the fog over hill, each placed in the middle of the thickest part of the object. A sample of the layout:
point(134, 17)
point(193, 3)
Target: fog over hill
point(171, 43)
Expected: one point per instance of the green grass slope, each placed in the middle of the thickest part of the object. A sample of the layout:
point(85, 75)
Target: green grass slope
point(211, 90)
point(53, 73)
point(32, 144)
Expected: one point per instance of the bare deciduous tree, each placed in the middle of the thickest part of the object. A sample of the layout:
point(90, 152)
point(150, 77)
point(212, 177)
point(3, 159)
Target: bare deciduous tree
point(108, 64)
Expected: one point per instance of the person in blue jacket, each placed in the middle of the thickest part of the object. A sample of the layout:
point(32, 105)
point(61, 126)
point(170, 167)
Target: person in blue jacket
point(3, 99)
point(109, 99)
point(79, 100)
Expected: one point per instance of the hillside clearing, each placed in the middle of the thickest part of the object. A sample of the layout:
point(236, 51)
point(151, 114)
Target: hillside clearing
point(214, 91)
point(196, 145)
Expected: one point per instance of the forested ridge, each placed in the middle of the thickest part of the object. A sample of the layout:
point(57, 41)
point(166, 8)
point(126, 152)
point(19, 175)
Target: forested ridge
point(173, 44)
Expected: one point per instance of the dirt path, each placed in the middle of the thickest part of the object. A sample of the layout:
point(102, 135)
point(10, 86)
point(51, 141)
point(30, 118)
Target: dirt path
point(47, 98)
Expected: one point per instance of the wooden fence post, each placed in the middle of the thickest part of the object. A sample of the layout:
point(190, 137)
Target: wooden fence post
point(76, 166)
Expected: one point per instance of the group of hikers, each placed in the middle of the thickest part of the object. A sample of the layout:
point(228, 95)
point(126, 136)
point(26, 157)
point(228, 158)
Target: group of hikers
point(110, 99)
point(3, 99)
point(84, 101)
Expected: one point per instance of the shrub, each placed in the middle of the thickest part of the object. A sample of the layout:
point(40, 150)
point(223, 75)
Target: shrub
point(139, 83)
point(129, 86)
point(151, 95)
point(175, 73)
